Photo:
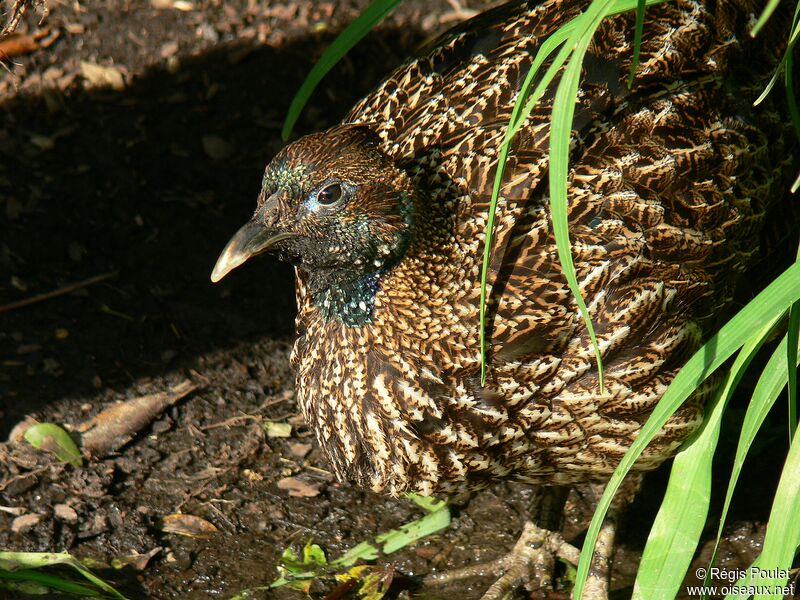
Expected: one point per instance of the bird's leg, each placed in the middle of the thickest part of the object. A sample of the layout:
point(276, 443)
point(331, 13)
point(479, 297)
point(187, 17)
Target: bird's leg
point(597, 581)
point(532, 558)
point(599, 577)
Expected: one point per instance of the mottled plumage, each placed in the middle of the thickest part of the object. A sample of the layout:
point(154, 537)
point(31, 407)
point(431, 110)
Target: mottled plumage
point(667, 192)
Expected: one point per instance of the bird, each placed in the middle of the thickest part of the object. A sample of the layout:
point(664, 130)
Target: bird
point(384, 217)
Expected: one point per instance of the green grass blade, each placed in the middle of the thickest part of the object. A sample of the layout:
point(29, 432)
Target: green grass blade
point(791, 97)
point(764, 17)
point(768, 88)
point(437, 518)
point(524, 111)
point(772, 380)
point(560, 135)
point(785, 60)
point(570, 32)
point(677, 528)
point(523, 107)
point(791, 359)
point(792, 335)
point(788, 59)
point(416, 530)
point(783, 535)
point(348, 38)
point(15, 561)
point(637, 41)
point(774, 300)
point(679, 523)
point(53, 582)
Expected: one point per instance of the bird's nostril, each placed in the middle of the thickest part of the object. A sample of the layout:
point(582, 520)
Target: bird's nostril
point(267, 212)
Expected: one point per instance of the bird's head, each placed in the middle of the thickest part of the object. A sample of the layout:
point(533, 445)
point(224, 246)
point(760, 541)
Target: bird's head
point(333, 204)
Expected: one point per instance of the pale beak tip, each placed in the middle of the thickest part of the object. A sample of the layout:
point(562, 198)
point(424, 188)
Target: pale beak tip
point(249, 241)
point(226, 263)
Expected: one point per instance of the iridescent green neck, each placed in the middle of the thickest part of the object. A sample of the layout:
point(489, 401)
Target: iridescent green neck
point(349, 295)
point(365, 248)
point(350, 302)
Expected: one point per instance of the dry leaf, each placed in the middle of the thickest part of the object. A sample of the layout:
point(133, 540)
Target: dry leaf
point(298, 488)
point(216, 147)
point(13, 510)
point(169, 49)
point(117, 425)
point(64, 512)
point(181, 5)
point(135, 560)
point(25, 522)
point(188, 525)
point(17, 44)
point(299, 449)
point(98, 76)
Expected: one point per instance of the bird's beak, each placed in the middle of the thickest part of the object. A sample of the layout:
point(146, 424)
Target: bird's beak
point(249, 241)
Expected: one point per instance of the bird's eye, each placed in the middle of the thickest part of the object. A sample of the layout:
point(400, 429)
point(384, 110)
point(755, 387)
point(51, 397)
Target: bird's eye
point(330, 194)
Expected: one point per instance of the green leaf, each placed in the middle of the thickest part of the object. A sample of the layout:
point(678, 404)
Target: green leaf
point(54, 439)
point(376, 584)
point(560, 135)
point(24, 565)
point(522, 109)
point(314, 563)
point(783, 535)
point(792, 336)
point(362, 551)
point(428, 503)
point(680, 520)
point(277, 430)
point(313, 555)
point(313, 558)
point(774, 300)
point(37, 583)
point(348, 38)
point(409, 533)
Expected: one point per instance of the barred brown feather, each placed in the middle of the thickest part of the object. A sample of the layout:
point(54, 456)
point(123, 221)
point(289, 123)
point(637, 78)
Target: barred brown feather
point(667, 191)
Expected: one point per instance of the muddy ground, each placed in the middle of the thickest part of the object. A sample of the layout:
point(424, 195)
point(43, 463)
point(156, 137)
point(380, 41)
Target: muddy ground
point(141, 184)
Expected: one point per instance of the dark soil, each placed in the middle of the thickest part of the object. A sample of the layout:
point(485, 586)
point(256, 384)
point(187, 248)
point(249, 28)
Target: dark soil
point(145, 184)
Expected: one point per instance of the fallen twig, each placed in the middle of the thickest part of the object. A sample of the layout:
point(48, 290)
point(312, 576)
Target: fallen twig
point(70, 287)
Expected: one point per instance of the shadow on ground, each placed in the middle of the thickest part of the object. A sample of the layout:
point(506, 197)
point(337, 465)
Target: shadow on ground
point(148, 184)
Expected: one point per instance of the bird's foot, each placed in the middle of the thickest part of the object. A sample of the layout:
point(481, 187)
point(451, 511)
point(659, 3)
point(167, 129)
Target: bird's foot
point(532, 560)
